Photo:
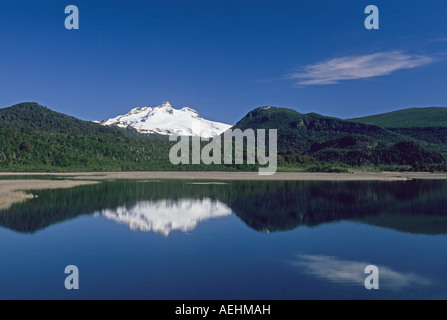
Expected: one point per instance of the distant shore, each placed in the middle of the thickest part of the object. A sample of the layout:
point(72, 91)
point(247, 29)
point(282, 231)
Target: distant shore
point(204, 175)
point(12, 190)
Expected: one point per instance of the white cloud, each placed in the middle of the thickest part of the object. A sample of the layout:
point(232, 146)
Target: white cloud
point(357, 67)
point(345, 271)
point(439, 40)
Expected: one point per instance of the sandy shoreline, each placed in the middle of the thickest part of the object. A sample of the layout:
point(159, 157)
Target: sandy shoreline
point(289, 176)
point(11, 191)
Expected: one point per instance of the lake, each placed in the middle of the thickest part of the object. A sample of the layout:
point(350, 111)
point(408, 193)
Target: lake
point(231, 240)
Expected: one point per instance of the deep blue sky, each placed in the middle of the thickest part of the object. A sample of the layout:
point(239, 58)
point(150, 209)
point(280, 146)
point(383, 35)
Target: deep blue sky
point(224, 58)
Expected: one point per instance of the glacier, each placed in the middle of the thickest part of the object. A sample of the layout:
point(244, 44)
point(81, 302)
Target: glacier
point(166, 120)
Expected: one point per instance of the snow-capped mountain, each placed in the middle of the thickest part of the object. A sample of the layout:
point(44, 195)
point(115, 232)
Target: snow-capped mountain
point(166, 120)
point(164, 216)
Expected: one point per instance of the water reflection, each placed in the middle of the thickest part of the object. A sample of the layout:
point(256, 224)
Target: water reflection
point(266, 206)
point(164, 216)
point(352, 272)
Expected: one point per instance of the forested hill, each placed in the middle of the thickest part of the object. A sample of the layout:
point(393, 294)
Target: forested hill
point(299, 131)
point(35, 138)
point(408, 118)
point(32, 116)
point(428, 125)
point(329, 140)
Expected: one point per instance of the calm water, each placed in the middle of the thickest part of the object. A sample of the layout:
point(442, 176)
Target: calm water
point(235, 240)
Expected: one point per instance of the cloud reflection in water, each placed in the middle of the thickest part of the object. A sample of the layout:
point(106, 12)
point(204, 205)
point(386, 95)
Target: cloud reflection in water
point(352, 272)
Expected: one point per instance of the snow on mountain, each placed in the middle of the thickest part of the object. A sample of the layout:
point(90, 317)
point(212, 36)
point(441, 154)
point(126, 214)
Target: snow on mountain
point(166, 120)
point(164, 216)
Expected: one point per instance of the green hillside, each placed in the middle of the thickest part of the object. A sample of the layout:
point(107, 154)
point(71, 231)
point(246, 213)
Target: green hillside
point(33, 117)
point(35, 138)
point(56, 151)
point(312, 139)
point(408, 118)
point(363, 150)
point(298, 131)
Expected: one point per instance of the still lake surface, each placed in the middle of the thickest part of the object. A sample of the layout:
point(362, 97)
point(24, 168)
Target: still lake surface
point(228, 240)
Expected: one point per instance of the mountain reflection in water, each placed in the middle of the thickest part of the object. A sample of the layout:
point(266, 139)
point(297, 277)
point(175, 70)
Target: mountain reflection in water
point(266, 206)
point(164, 216)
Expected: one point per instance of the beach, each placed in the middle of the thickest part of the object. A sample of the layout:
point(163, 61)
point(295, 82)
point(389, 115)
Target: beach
point(203, 175)
point(13, 191)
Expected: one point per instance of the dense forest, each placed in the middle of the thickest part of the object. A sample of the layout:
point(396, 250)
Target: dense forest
point(408, 118)
point(35, 138)
point(330, 144)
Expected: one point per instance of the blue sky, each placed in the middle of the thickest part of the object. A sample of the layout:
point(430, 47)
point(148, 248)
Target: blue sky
point(224, 58)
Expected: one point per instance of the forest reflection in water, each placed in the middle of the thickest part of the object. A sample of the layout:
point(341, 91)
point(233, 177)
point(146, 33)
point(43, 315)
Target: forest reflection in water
point(265, 206)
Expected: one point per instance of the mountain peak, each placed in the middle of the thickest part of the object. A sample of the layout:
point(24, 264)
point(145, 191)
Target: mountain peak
point(166, 120)
point(165, 105)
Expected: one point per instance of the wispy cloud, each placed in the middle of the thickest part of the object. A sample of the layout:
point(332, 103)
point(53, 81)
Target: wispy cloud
point(439, 40)
point(345, 271)
point(357, 67)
